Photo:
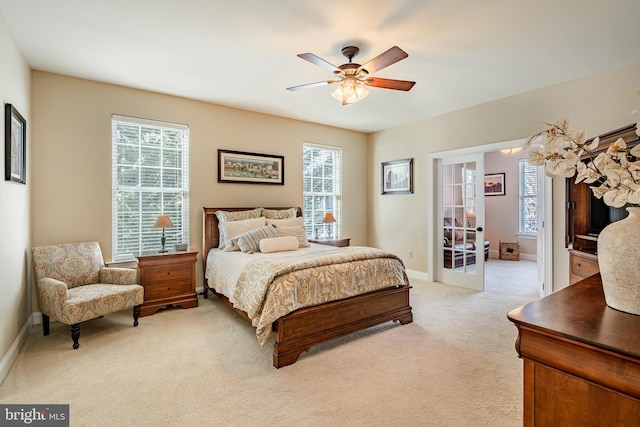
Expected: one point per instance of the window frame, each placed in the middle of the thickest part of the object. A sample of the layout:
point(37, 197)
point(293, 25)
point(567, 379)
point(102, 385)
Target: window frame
point(315, 212)
point(170, 166)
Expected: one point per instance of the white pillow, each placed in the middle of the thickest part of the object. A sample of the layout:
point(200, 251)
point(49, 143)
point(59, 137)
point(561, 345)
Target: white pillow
point(289, 222)
point(297, 232)
point(249, 242)
point(231, 229)
point(279, 213)
point(278, 244)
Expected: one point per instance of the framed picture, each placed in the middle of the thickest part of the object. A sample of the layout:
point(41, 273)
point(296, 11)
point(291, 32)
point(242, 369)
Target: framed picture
point(397, 177)
point(15, 141)
point(494, 184)
point(250, 168)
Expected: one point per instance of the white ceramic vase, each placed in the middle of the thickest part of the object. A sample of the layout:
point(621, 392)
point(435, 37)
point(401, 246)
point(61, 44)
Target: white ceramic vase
point(618, 258)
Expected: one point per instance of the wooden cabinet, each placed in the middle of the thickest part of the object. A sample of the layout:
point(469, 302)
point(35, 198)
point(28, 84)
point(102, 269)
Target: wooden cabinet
point(168, 279)
point(581, 359)
point(586, 215)
point(332, 242)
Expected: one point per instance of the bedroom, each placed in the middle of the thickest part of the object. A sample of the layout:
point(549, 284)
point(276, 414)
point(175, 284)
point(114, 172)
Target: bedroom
point(68, 193)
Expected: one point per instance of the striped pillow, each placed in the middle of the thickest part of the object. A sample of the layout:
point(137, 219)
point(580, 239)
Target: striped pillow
point(225, 216)
point(297, 232)
point(279, 213)
point(249, 242)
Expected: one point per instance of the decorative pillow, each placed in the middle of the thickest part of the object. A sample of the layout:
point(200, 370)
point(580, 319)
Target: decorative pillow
point(289, 222)
point(278, 244)
point(229, 230)
point(249, 242)
point(224, 216)
point(279, 213)
point(297, 232)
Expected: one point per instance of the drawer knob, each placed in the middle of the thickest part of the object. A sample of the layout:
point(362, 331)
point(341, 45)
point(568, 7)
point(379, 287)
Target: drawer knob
point(168, 288)
point(578, 264)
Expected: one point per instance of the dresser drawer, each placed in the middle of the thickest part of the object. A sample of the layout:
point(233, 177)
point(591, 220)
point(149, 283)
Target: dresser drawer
point(167, 289)
point(163, 274)
point(582, 266)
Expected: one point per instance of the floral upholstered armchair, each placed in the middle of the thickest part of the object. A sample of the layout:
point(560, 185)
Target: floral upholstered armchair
point(74, 285)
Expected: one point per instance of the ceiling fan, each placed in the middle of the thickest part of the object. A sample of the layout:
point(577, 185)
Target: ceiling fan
point(352, 78)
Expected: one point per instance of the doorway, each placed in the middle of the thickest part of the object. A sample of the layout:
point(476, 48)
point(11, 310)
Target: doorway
point(436, 229)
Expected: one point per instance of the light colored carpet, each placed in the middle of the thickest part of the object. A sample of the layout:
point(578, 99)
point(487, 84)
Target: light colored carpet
point(455, 365)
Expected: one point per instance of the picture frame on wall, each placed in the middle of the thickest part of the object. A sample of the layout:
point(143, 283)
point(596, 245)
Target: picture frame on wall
point(15, 141)
point(397, 177)
point(250, 168)
point(494, 184)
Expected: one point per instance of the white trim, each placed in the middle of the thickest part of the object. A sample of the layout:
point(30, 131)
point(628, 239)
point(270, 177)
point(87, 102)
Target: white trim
point(9, 359)
point(418, 275)
point(149, 122)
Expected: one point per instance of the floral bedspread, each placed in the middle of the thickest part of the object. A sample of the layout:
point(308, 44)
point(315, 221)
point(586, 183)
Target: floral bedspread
point(269, 287)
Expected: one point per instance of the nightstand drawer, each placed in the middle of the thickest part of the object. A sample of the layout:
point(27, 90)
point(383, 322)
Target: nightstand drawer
point(167, 289)
point(161, 274)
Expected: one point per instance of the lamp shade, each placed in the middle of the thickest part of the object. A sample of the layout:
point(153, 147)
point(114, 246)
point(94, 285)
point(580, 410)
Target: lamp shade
point(163, 221)
point(328, 218)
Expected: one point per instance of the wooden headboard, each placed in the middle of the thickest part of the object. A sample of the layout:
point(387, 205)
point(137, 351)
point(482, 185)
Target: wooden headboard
point(210, 234)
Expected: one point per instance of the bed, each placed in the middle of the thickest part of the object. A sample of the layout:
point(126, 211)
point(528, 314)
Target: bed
point(295, 332)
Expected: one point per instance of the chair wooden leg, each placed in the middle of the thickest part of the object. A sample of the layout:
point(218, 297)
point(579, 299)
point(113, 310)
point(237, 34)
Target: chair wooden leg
point(75, 335)
point(136, 314)
point(45, 325)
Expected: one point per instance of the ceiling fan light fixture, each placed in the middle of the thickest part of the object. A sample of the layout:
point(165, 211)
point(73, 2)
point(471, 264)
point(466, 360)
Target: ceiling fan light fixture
point(350, 91)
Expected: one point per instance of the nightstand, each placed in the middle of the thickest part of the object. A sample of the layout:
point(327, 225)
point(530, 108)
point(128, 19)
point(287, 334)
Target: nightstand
point(332, 242)
point(169, 279)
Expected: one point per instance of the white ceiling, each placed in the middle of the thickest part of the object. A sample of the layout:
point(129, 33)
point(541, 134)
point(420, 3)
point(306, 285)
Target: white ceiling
point(243, 53)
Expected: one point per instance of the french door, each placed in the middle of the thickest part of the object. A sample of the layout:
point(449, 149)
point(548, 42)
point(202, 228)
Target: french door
point(460, 221)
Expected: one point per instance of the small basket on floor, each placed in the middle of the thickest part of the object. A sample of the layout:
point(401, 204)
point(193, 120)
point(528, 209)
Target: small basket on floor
point(510, 251)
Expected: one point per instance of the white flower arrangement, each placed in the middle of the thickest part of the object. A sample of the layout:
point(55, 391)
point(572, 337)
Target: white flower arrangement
point(614, 173)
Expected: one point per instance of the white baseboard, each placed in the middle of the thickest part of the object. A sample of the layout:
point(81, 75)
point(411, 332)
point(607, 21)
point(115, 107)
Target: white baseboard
point(12, 354)
point(418, 275)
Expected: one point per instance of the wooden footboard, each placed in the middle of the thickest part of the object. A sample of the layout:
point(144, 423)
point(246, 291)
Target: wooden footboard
point(296, 332)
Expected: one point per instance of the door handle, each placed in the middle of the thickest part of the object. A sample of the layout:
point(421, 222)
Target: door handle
point(479, 229)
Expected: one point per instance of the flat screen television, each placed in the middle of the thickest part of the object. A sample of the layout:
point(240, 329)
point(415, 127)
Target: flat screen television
point(603, 215)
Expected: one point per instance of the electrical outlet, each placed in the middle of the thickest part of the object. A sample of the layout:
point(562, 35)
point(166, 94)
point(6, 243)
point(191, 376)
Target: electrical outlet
point(410, 254)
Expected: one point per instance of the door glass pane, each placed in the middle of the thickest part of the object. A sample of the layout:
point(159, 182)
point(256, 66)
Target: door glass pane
point(458, 213)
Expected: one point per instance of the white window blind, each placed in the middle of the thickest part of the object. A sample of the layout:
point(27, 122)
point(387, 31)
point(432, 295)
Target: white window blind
point(528, 202)
point(322, 188)
point(150, 177)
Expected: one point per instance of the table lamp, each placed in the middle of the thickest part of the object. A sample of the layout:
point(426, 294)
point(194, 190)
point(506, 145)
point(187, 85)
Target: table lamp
point(163, 222)
point(329, 219)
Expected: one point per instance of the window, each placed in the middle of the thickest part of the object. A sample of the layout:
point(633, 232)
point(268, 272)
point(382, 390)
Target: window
point(528, 198)
point(322, 189)
point(150, 177)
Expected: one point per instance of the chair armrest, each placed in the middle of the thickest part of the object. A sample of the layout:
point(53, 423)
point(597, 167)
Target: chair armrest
point(51, 294)
point(119, 276)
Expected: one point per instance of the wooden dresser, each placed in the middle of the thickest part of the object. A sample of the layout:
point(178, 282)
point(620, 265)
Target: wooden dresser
point(581, 359)
point(168, 279)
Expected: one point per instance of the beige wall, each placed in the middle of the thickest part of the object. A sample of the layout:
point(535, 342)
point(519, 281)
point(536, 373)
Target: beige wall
point(72, 158)
point(15, 235)
point(598, 103)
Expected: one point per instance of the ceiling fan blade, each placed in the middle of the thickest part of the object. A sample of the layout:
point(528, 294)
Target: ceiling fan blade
point(310, 85)
point(318, 61)
point(389, 83)
point(390, 56)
